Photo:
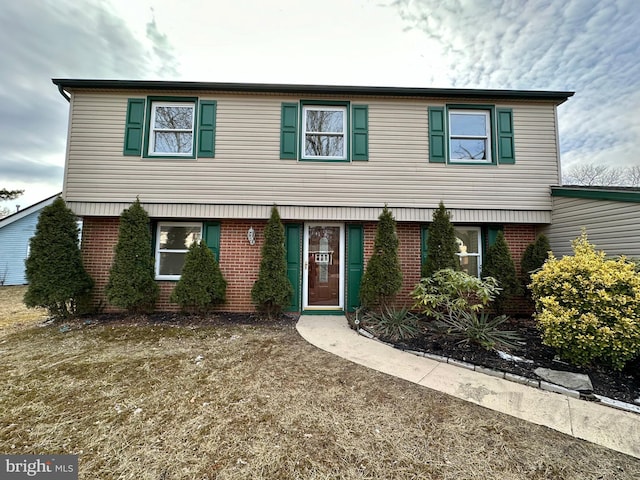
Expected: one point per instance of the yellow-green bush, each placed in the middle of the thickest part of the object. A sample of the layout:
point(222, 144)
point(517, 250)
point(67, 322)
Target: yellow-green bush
point(588, 307)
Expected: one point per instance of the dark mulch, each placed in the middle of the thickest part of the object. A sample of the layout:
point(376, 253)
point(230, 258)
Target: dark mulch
point(620, 385)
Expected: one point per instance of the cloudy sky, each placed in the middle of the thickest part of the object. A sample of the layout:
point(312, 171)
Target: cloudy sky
point(591, 47)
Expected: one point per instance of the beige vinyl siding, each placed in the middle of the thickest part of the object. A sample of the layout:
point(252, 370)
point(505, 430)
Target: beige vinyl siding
point(612, 226)
point(247, 169)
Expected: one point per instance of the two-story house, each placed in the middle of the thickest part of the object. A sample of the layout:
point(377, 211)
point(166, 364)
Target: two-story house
point(209, 160)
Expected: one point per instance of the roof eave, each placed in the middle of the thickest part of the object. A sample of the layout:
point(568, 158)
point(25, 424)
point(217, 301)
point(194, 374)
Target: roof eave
point(70, 84)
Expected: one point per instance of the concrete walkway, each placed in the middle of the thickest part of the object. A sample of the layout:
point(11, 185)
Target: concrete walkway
point(600, 424)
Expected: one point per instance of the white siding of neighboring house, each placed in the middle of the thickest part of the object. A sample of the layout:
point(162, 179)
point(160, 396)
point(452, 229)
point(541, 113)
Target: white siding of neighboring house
point(14, 244)
point(248, 173)
point(612, 226)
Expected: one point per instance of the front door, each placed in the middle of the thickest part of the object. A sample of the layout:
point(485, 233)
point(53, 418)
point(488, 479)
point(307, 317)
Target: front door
point(323, 280)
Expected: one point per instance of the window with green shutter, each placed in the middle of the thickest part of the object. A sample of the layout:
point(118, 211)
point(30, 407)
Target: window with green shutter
point(170, 127)
point(331, 131)
point(471, 134)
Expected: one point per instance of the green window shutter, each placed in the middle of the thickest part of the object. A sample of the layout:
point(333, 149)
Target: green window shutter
point(355, 265)
point(492, 233)
point(211, 237)
point(424, 239)
point(134, 127)
point(506, 146)
point(292, 234)
point(360, 132)
point(289, 131)
point(437, 135)
point(207, 129)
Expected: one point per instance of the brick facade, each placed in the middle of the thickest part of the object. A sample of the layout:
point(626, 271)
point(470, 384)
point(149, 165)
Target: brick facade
point(240, 261)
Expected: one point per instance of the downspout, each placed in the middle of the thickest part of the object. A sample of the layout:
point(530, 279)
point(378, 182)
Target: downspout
point(64, 94)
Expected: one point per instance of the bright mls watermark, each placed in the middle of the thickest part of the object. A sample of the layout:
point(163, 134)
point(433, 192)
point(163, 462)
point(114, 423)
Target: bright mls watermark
point(50, 467)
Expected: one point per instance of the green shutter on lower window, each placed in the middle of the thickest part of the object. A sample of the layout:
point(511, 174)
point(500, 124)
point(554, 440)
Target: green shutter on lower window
point(506, 145)
point(424, 244)
point(437, 135)
point(360, 133)
point(289, 131)
point(134, 127)
point(492, 233)
point(207, 129)
point(211, 237)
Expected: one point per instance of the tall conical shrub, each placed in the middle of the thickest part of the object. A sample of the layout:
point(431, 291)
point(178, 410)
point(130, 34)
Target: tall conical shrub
point(441, 244)
point(382, 278)
point(54, 270)
point(131, 282)
point(534, 257)
point(272, 291)
point(499, 265)
point(201, 285)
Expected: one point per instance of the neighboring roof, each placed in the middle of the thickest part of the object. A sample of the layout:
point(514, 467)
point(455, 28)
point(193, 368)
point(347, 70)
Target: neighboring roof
point(618, 194)
point(28, 211)
point(70, 84)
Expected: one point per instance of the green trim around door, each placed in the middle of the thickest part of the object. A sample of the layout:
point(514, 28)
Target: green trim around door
point(292, 242)
point(355, 265)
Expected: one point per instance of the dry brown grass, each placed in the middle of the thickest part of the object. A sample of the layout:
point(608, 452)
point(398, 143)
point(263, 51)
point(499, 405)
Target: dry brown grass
point(256, 402)
point(13, 313)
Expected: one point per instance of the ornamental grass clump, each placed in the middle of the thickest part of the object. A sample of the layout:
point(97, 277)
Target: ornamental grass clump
point(588, 306)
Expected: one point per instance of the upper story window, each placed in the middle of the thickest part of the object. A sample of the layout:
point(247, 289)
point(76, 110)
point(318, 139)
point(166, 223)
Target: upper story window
point(171, 128)
point(325, 130)
point(330, 131)
point(469, 135)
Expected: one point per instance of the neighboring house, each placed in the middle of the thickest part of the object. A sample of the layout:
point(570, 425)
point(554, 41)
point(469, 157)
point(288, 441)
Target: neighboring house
point(15, 232)
point(210, 159)
point(610, 216)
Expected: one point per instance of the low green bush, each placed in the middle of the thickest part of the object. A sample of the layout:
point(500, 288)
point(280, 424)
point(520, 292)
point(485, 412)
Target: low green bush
point(588, 306)
point(393, 324)
point(449, 291)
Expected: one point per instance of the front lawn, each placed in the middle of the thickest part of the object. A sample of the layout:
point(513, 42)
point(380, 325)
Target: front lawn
point(231, 399)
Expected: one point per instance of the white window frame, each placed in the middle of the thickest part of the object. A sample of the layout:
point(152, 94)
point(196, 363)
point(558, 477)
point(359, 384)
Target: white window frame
point(477, 255)
point(158, 250)
point(343, 134)
point(152, 129)
point(486, 137)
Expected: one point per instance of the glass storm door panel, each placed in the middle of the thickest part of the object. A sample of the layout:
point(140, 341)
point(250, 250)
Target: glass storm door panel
point(324, 260)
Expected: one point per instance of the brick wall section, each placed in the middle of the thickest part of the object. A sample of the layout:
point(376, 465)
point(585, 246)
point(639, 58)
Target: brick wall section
point(518, 237)
point(99, 238)
point(240, 261)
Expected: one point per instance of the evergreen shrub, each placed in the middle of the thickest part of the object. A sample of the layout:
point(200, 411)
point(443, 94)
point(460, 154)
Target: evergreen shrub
point(272, 291)
point(588, 306)
point(131, 283)
point(202, 285)
point(382, 278)
point(499, 265)
point(57, 279)
point(441, 244)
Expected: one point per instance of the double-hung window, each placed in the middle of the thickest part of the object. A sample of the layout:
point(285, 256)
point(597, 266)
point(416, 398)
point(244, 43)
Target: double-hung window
point(324, 132)
point(173, 240)
point(469, 240)
point(470, 136)
point(171, 129)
